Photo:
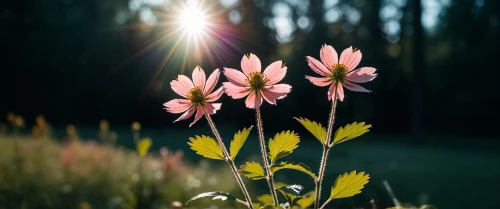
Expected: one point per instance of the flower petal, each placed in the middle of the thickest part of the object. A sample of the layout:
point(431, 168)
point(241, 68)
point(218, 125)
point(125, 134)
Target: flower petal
point(179, 89)
point(317, 66)
point(211, 82)
point(354, 87)
point(325, 81)
point(236, 77)
point(187, 114)
point(250, 64)
point(280, 88)
point(215, 95)
point(236, 92)
point(331, 90)
point(212, 108)
point(340, 92)
point(199, 114)
point(274, 72)
point(254, 100)
point(271, 95)
point(177, 105)
point(362, 75)
point(329, 56)
point(349, 58)
point(185, 82)
point(199, 77)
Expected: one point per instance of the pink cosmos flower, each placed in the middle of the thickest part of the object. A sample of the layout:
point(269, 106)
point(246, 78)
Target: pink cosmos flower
point(255, 84)
point(340, 72)
point(198, 94)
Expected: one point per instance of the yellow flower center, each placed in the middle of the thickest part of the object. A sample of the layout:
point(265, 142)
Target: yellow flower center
point(195, 95)
point(339, 72)
point(256, 81)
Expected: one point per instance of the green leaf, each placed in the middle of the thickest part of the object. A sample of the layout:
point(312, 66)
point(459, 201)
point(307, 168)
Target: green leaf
point(253, 170)
point(239, 139)
point(350, 131)
point(206, 147)
point(316, 129)
point(307, 200)
point(271, 207)
point(348, 185)
point(292, 193)
point(143, 146)
point(217, 195)
point(294, 166)
point(266, 199)
point(283, 144)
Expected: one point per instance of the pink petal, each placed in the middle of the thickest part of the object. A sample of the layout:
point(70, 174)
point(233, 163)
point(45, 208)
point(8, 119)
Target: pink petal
point(362, 75)
point(332, 90)
point(211, 82)
point(179, 89)
point(349, 58)
point(177, 105)
point(199, 114)
point(236, 77)
point(236, 92)
point(185, 82)
point(325, 81)
point(340, 92)
point(212, 108)
point(187, 114)
point(280, 88)
point(274, 72)
point(250, 65)
point(273, 94)
point(329, 56)
point(215, 95)
point(317, 66)
point(254, 100)
point(199, 77)
point(354, 87)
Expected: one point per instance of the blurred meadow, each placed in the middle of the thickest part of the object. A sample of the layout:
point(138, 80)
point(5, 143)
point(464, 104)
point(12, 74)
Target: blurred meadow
point(83, 82)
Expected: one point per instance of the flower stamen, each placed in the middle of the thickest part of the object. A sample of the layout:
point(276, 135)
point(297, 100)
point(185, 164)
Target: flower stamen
point(195, 95)
point(257, 81)
point(339, 72)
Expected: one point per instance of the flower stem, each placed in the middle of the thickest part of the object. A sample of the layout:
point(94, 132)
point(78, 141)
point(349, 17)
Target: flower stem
point(269, 174)
point(229, 160)
point(326, 148)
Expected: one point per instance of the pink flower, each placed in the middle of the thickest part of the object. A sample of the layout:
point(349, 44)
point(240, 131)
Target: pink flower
point(198, 94)
point(340, 72)
point(255, 84)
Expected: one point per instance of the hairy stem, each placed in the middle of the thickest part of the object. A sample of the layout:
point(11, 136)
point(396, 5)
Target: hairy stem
point(229, 160)
point(326, 148)
point(269, 174)
point(324, 204)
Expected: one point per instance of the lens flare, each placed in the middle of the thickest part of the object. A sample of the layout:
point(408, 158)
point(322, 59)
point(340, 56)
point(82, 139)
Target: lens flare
point(193, 19)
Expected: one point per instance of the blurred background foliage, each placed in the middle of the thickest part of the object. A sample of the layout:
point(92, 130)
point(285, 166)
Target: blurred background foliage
point(433, 106)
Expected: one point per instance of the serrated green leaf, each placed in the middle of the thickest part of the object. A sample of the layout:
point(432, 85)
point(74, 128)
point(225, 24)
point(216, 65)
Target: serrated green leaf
point(239, 139)
point(294, 166)
point(316, 129)
point(291, 193)
point(350, 131)
point(253, 170)
point(283, 144)
point(271, 207)
point(348, 185)
point(217, 195)
point(206, 147)
point(307, 200)
point(143, 146)
point(266, 199)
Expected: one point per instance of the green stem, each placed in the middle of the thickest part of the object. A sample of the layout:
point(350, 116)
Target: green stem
point(269, 174)
point(326, 148)
point(229, 160)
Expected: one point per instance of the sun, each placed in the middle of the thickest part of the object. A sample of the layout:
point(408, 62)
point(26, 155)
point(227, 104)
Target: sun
point(193, 20)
